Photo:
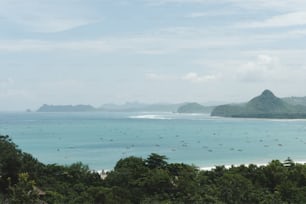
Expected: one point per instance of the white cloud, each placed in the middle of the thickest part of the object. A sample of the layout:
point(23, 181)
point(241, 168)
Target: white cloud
point(199, 14)
point(282, 5)
point(140, 44)
point(233, 55)
point(196, 78)
point(161, 2)
point(190, 77)
point(47, 16)
point(55, 25)
point(160, 77)
point(268, 66)
point(170, 40)
point(276, 5)
point(4, 83)
point(260, 69)
point(11, 92)
point(284, 20)
point(14, 93)
point(300, 32)
point(39, 45)
point(210, 14)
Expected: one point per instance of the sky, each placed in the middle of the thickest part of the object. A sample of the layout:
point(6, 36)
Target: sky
point(151, 51)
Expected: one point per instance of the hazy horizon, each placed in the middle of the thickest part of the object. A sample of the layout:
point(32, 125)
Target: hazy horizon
point(138, 104)
point(149, 51)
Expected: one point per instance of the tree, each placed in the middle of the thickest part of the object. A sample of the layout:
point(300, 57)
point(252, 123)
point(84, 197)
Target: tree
point(234, 188)
point(127, 177)
point(185, 184)
point(274, 174)
point(24, 191)
point(10, 162)
point(156, 161)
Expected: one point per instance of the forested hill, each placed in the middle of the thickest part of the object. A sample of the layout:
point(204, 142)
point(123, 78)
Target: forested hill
point(23, 179)
point(267, 105)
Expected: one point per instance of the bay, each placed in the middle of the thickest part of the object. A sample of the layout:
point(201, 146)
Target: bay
point(101, 139)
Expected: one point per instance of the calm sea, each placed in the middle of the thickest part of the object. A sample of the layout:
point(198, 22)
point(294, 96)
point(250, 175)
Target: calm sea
point(101, 139)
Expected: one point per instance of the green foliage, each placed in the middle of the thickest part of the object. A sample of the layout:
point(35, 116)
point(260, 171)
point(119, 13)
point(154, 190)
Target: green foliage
point(156, 161)
point(24, 191)
point(150, 180)
point(10, 162)
point(234, 188)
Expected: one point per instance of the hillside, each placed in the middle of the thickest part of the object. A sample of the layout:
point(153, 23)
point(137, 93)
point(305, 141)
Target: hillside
point(295, 100)
point(194, 108)
point(267, 105)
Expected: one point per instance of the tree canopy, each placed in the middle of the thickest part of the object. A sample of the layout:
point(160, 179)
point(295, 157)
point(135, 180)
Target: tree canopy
point(24, 179)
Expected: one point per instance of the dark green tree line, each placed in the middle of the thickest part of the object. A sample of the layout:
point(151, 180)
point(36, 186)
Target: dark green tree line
point(23, 179)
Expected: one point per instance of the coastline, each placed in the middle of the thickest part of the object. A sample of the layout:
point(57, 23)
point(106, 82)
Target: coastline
point(103, 172)
point(209, 168)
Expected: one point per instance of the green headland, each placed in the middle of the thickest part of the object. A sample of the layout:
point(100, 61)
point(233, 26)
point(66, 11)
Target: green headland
point(267, 105)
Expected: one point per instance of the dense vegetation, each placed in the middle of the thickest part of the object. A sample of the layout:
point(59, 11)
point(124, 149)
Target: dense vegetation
point(267, 105)
point(23, 179)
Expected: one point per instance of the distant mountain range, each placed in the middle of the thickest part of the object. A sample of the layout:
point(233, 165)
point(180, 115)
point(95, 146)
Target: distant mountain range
point(128, 107)
point(194, 108)
point(267, 105)
point(66, 108)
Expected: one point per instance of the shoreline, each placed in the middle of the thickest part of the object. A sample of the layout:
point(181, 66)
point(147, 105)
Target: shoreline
point(104, 172)
point(227, 166)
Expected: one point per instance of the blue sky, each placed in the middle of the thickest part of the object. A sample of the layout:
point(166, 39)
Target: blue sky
point(104, 51)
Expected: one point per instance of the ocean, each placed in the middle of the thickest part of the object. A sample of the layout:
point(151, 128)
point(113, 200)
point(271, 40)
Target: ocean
point(101, 139)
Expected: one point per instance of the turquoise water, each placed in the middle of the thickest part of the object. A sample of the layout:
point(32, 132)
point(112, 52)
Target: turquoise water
point(101, 139)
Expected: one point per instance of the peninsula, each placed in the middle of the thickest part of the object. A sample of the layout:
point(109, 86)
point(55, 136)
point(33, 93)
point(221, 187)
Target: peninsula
point(267, 105)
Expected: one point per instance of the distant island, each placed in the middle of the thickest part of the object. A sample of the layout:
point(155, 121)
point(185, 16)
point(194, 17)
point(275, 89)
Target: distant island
point(66, 108)
point(267, 105)
point(127, 107)
point(194, 108)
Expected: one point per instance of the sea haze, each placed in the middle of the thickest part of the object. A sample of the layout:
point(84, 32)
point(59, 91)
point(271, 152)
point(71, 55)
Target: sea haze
point(100, 139)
